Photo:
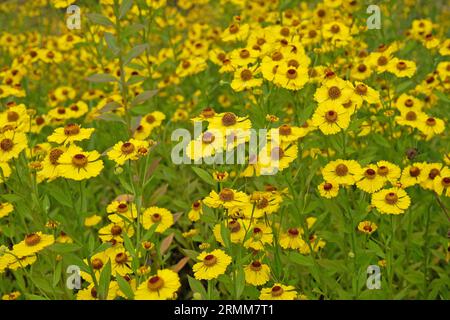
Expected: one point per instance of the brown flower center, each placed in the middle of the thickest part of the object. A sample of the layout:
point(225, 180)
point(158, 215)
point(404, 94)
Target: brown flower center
point(6, 144)
point(246, 75)
point(256, 266)
point(210, 260)
point(127, 148)
point(341, 170)
point(362, 68)
point(414, 172)
point(312, 33)
point(291, 74)
point(334, 92)
point(263, 203)
point(382, 61)
point(383, 171)
point(208, 112)
point(446, 182)
point(79, 160)
point(12, 116)
point(411, 116)
point(97, 264)
point(71, 129)
point(226, 195)
point(331, 116)
point(234, 226)
point(431, 122)
point(121, 258)
point(409, 103)
point(433, 173)
point(370, 174)
point(244, 54)
point(285, 130)
point(327, 186)
point(208, 137)
point(229, 119)
point(122, 208)
point(277, 291)
point(335, 28)
point(401, 65)
point(156, 217)
point(391, 198)
point(277, 56)
point(361, 89)
point(293, 232)
point(32, 239)
point(150, 119)
point(116, 230)
point(155, 283)
point(234, 28)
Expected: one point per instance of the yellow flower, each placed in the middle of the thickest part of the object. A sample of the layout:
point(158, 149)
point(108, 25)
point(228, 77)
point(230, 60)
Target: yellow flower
point(70, 133)
point(342, 172)
point(211, 265)
point(90, 293)
point(196, 211)
point(402, 68)
point(121, 209)
point(11, 144)
point(442, 182)
point(235, 32)
point(5, 209)
point(244, 78)
point(120, 261)
point(129, 150)
point(114, 232)
point(333, 92)
point(161, 286)
point(33, 243)
point(97, 262)
point(331, 118)
point(328, 190)
point(431, 126)
point(391, 201)
point(5, 171)
point(260, 235)
point(92, 220)
point(228, 198)
point(413, 174)
point(278, 292)
point(11, 296)
point(257, 273)
point(369, 180)
point(161, 216)
point(236, 229)
point(292, 239)
point(50, 164)
point(432, 170)
point(77, 164)
point(367, 227)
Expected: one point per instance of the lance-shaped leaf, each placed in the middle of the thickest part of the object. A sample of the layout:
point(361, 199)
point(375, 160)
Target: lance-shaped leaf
point(101, 77)
point(134, 52)
point(125, 6)
point(143, 96)
point(100, 19)
point(112, 43)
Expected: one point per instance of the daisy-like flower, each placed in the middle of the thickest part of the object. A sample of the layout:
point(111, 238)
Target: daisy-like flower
point(367, 227)
point(98, 262)
point(208, 144)
point(363, 92)
point(5, 171)
point(236, 229)
point(442, 182)
point(70, 133)
point(5, 209)
point(260, 235)
point(14, 262)
point(402, 68)
point(196, 211)
point(342, 171)
point(90, 293)
point(11, 296)
point(328, 190)
point(11, 144)
point(129, 150)
point(406, 103)
point(388, 171)
point(50, 164)
point(262, 203)
point(315, 242)
point(370, 181)
point(278, 292)
point(161, 286)
point(211, 265)
point(331, 118)
point(120, 261)
point(287, 133)
point(227, 198)
point(432, 170)
point(114, 232)
point(413, 174)
point(148, 123)
point(121, 208)
point(431, 126)
point(33, 243)
point(333, 92)
point(292, 239)
point(229, 122)
point(257, 273)
point(246, 78)
point(161, 216)
point(277, 157)
point(391, 201)
point(77, 164)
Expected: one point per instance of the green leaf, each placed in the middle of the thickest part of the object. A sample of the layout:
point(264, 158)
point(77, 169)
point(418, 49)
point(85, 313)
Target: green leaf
point(57, 273)
point(125, 6)
point(148, 235)
point(105, 278)
point(11, 197)
point(125, 287)
point(64, 247)
point(59, 195)
point(301, 259)
point(112, 43)
point(132, 29)
point(204, 175)
point(102, 247)
point(135, 79)
point(110, 117)
point(100, 19)
point(101, 77)
point(143, 96)
point(442, 96)
point(197, 286)
point(110, 106)
point(134, 52)
point(240, 279)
